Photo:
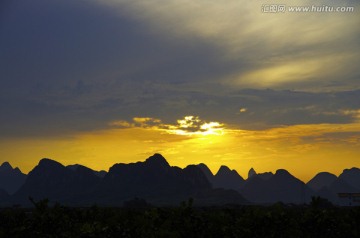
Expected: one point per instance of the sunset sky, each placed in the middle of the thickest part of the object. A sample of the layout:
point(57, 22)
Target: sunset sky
point(100, 82)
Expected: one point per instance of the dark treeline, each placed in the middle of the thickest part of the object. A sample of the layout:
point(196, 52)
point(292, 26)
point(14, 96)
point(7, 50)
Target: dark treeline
point(185, 220)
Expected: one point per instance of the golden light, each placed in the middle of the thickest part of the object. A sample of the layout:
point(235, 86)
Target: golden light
point(188, 121)
point(303, 150)
point(193, 125)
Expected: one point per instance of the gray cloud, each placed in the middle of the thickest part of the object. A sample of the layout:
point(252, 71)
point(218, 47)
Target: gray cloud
point(70, 66)
point(300, 51)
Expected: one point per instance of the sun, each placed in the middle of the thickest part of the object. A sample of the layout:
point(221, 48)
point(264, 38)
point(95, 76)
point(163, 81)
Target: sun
point(194, 126)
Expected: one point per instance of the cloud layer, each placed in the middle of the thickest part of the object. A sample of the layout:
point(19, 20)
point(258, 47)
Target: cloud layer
point(68, 65)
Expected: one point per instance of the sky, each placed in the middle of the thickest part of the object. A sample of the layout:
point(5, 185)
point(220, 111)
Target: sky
point(100, 82)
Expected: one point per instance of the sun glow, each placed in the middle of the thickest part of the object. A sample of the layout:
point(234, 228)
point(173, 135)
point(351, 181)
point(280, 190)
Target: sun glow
point(188, 126)
point(303, 150)
point(193, 125)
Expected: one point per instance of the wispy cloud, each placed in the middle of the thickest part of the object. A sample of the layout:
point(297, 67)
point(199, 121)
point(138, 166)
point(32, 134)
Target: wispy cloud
point(269, 50)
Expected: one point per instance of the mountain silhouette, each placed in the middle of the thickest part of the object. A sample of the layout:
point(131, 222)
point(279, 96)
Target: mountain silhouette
point(251, 173)
point(11, 179)
point(321, 180)
point(337, 186)
point(281, 187)
point(155, 182)
point(100, 174)
point(4, 196)
point(228, 179)
point(225, 178)
point(327, 193)
point(352, 177)
point(207, 172)
point(341, 186)
point(265, 176)
point(5, 167)
point(52, 180)
point(327, 185)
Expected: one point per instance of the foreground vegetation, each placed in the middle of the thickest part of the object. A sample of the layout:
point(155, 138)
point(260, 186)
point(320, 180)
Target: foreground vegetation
point(183, 221)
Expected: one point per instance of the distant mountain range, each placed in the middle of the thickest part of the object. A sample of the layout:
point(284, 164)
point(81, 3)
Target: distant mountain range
point(11, 179)
point(158, 183)
point(327, 185)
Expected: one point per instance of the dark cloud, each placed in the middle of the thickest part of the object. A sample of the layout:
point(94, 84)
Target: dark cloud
point(265, 109)
point(70, 66)
point(54, 45)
